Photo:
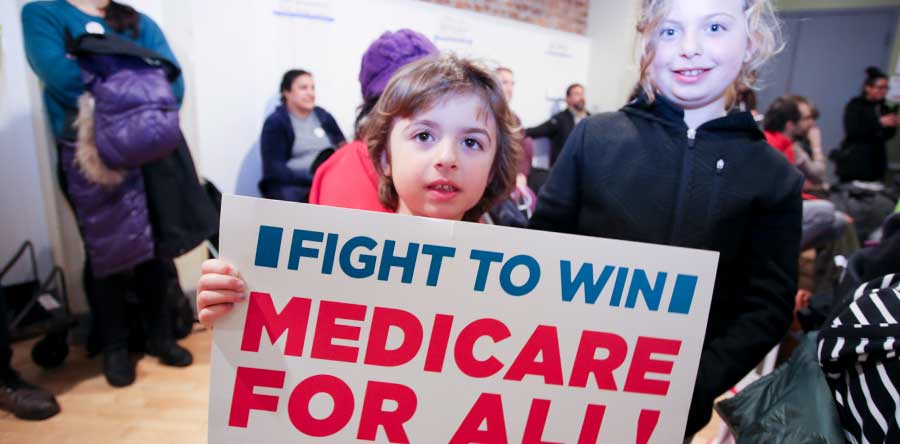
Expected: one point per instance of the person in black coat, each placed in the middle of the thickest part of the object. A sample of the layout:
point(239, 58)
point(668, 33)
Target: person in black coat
point(559, 126)
point(675, 168)
point(868, 124)
point(633, 175)
point(296, 138)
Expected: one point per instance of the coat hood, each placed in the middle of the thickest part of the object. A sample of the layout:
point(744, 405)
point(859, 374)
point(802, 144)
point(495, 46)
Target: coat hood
point(737, 124)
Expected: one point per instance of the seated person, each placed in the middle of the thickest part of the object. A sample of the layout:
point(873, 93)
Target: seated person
point(821, 222)
point(808, 154)
point(296, 138)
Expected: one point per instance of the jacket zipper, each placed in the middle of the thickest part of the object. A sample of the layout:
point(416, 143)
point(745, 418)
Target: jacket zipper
point(714, 196)
point(686, 170)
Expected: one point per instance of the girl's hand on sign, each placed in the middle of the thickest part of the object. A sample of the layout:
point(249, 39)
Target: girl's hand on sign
point(220, 286)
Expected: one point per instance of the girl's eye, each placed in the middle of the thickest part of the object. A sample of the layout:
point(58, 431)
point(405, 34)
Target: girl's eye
point(472, 143)
point(424, 136)
point(716, 27)
point(667, 32)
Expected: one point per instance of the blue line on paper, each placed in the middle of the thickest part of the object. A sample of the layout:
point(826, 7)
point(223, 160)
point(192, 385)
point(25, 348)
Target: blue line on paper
point(321, 18)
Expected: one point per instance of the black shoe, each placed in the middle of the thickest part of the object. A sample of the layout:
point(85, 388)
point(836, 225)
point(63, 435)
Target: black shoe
point(24, 400)
point(118, 368)
point(171, 354)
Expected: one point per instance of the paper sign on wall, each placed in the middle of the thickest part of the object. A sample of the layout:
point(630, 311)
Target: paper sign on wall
point(372, 327)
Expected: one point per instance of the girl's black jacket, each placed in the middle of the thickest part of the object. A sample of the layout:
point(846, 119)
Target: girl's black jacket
point(640, 175)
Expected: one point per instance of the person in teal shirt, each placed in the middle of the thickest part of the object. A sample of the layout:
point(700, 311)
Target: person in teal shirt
point(44, 25)
point(47, 25)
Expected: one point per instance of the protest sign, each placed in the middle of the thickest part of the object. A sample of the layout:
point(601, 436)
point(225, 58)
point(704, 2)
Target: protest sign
point(373, 327)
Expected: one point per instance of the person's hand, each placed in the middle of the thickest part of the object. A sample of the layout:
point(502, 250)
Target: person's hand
point(815, 140)
point(890, 120)
point(801, 300)
point(219, 288)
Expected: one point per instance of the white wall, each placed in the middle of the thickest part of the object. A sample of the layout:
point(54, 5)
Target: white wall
point(613, 70)
point(236, 54)
point(21, 195)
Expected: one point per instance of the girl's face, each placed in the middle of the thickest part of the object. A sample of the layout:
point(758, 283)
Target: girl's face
point(700, 48)
point(878, 91)
point(302, 95)
point(440, 160)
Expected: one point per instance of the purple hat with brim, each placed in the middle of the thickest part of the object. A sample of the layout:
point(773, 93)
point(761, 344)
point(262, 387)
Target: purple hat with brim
point(389, 53)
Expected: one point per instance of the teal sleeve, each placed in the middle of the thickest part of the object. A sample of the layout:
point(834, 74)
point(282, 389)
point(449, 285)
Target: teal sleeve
point(44, 37)
point(153, 38)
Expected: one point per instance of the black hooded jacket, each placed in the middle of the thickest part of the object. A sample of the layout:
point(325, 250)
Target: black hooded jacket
point(640, 175)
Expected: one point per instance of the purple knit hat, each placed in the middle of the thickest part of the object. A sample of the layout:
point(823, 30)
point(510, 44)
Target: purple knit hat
point(389, 53)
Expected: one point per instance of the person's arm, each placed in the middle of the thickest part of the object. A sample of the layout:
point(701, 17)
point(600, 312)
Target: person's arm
point(764, 299)
point(275, 152)
point(45, 49)
point(813, 171)
point(559, 202)
point(154, 39)
point(546, 129)
point(337, 138)
point(815, 143)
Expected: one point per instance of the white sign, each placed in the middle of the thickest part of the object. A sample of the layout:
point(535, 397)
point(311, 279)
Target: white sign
point(373, 327)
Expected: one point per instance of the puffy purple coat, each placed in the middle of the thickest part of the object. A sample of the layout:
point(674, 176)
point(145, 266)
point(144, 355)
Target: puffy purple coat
point(127, 118)
point(113, 219)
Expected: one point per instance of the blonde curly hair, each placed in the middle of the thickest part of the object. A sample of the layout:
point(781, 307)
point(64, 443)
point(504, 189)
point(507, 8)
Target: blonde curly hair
point(763, 28)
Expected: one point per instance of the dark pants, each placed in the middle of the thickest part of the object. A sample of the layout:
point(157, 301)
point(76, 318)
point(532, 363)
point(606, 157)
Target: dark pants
point(147, 286)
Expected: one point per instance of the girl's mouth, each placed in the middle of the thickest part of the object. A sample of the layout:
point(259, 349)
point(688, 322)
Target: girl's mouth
point(442, 189)
point(692, 75)
point(445, 188)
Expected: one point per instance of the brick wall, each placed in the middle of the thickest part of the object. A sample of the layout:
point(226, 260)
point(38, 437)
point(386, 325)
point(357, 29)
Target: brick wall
point(565, 15)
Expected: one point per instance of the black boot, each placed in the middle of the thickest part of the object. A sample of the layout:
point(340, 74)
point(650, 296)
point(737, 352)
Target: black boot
point(171, 354)
point(118, 368)
point(24, 400)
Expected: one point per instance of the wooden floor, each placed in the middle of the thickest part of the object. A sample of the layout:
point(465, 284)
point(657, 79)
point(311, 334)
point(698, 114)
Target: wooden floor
point(164, 405)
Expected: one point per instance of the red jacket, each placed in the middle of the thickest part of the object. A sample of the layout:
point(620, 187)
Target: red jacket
point(781, 143)
point(347, 180)
point(785, 146)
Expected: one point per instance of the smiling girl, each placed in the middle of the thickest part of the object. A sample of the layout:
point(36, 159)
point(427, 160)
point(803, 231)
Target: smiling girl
point(674, 167)
point(441, 139)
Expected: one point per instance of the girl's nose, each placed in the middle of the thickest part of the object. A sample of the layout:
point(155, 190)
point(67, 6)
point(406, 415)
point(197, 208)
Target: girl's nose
point(690, 45)
point(446, 154)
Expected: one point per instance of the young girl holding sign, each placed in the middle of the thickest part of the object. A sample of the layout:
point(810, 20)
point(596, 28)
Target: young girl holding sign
point(675, 167)
point(441, 139)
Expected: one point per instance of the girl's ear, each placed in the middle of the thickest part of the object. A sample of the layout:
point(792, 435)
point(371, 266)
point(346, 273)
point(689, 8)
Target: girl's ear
point(751, 48)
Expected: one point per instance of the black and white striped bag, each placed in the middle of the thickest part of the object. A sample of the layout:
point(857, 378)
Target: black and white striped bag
point(858, 352)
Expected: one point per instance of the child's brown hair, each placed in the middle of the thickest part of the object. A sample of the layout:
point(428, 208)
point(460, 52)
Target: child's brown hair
point(425, 83)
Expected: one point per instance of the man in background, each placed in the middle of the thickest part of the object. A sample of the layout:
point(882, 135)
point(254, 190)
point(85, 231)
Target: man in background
point(559, 126)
